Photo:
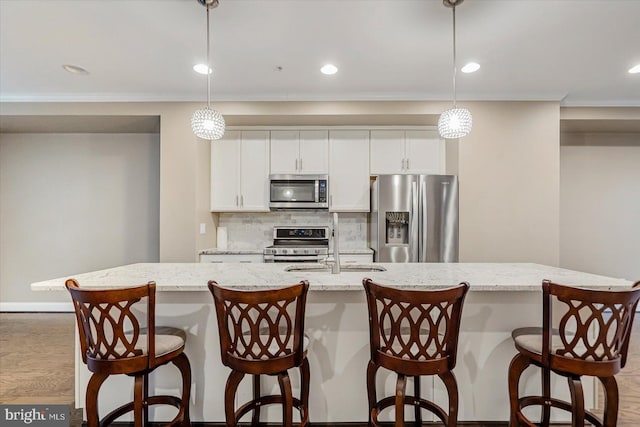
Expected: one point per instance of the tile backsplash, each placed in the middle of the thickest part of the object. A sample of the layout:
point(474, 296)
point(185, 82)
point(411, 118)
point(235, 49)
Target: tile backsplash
point(255, 230)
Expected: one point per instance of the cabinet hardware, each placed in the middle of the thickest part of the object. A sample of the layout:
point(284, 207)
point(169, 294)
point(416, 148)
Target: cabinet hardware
point(296, 165)
point(300, 165)
point(241, 201)
point(407, 164)
point(402, 164)
point(236, 200)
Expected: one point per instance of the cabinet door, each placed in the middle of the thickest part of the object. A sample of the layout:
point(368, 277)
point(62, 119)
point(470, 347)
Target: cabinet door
point(387, 152)
point(349, 171)
point(314, 152)
point(254, 171)
point(284, 152)
point(224, 172)
point(424, 152)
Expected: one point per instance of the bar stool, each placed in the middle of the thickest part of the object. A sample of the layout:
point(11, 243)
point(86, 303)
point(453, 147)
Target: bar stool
point(587, 342)
point(113, 342)
point(413, 333)
point(262, 333)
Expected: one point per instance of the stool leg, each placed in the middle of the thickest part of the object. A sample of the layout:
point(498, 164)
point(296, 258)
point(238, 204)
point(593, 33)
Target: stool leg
point(305, 376)
point(138, 400)
point(518, 364)
point(610, 418)
point(91, 399)
point(450, 382)
point(372, 369)
point(145, 399)
point(416, 394)
point(401, 386)
point(546, 394)
point(287, 399)
point(182, 363)
point(229, 396)
point(577, 402)
point(255, 418)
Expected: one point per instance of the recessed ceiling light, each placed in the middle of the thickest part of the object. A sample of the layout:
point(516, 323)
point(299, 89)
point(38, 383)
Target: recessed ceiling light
point(329, 69)
point(471, 67)
point(74, 69)
point(635, 69)
point(202, 69)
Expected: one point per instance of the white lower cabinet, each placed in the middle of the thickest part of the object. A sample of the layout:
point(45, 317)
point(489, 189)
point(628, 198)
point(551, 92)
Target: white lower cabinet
point(240, 172)
point(349, 171)
point(231, 258)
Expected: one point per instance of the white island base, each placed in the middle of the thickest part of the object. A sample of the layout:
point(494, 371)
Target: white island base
point(502, 297)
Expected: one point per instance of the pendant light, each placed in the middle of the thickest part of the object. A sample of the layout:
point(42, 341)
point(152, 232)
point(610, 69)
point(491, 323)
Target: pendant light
point(208, 123)
point(455, 122)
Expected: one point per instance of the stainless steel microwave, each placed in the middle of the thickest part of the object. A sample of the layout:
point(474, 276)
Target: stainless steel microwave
point(298, 192)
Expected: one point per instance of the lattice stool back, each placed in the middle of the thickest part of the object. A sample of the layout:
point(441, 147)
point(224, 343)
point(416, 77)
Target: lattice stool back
point(592, 339)
point(262, 333)
point(113, 341)
point(413, 333)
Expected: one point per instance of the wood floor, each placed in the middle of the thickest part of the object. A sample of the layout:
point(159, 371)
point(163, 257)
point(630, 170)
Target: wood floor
point(36, 364)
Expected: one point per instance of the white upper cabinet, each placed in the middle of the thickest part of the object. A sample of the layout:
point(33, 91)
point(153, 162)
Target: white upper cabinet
point(299, 152)
point(240, 172)
point(406, 152)
point(349, 171)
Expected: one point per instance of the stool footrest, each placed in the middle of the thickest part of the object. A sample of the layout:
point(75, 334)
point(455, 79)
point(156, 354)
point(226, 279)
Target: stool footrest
point(408, 400)
point(527, 401)
point(152, 400)
point(270, 400)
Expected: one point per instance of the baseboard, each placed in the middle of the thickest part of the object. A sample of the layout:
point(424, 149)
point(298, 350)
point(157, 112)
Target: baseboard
point(36, 307)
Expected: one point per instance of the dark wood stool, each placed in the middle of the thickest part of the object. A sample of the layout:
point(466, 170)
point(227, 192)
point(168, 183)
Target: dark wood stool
point(592, 339)
point(113, 342)
point(262, 333)
point(413, 333)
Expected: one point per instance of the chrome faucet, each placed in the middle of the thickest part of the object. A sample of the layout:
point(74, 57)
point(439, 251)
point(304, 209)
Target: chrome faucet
point(334, 261)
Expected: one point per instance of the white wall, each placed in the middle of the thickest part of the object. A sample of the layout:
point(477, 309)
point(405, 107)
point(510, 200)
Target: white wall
point(75, 203)
point(509, 183)
point(600, 204)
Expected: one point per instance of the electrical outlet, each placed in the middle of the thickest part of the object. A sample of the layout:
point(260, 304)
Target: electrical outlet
point(203, 228)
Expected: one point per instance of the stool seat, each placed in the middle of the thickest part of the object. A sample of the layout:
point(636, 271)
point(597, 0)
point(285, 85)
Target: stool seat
point(112, 341)
point(262, 333)
point(592, 339)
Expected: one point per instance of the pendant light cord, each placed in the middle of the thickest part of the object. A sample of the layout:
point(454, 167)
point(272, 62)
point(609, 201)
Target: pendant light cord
point(208, 63)
point(454, 55)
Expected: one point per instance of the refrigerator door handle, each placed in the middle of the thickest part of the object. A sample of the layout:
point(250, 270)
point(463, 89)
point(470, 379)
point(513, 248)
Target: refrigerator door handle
point(423, 222)
point(414, 244)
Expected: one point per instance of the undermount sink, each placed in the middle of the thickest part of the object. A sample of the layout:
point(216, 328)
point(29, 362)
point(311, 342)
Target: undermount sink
point(345, 268)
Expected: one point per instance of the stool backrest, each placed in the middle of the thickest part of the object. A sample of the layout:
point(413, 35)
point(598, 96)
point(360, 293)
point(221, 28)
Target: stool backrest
point(261, 331)
point(109, 328)
point(414, 332)
point(594, 326)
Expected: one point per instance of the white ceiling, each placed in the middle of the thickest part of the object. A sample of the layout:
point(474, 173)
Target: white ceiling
point(576, 51)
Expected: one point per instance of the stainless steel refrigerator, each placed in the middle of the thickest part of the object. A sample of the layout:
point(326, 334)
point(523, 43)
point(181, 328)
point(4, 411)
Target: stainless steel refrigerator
point(414, 218)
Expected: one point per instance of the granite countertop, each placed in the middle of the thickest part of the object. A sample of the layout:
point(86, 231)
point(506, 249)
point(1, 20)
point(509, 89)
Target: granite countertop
point(194, 277)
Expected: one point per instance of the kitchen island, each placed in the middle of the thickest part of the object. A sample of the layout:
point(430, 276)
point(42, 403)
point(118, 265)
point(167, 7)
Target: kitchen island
point(502, 297)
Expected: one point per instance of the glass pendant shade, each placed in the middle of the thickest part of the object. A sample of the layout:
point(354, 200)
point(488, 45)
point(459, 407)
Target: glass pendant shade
point(207, 123)
point(455, 123)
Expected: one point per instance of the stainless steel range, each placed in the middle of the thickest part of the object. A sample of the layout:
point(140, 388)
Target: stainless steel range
point(298, 244)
